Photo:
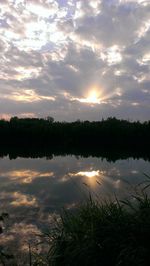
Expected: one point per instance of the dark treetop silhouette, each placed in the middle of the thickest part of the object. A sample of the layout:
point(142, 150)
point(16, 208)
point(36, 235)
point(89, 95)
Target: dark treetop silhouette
point(45, 137)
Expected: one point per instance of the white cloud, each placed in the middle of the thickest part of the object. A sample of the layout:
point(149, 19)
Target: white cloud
point(52, 53)
point(41, 10)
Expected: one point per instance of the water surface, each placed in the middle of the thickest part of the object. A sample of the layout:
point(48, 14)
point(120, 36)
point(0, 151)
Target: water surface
point(33, 191)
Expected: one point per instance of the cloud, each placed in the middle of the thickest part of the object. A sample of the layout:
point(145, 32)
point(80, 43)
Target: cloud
point(55, 53)
point(24, 176)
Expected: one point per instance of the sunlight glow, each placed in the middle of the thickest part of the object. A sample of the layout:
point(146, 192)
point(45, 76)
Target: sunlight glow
point(96, 96)
point(91, 177)
point(93, 97)
point(89, 174)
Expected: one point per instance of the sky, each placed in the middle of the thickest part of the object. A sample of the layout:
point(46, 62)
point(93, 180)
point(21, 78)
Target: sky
point(73, 59)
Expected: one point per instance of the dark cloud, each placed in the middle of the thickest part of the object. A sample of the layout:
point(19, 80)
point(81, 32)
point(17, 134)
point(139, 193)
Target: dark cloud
point(54, 52)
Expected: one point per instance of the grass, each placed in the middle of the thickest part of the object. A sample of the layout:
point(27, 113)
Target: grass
point(108, 233)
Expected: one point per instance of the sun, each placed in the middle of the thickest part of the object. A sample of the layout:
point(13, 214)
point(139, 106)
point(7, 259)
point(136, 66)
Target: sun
point(92, 96)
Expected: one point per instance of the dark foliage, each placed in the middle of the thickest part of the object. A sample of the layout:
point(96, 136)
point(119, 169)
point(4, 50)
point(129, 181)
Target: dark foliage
point(110, 233)
point(111, 136)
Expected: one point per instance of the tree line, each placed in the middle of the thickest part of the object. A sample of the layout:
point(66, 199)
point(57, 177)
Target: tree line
point(105, 135)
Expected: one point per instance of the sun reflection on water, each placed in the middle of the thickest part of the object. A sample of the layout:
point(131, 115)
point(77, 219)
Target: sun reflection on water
point(92, 177)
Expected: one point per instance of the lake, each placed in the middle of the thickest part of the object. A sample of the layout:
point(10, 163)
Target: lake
point(34, 191)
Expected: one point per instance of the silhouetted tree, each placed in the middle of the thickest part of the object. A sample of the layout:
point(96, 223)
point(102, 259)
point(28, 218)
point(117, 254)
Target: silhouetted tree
point(50, 119)
point(107, 135)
